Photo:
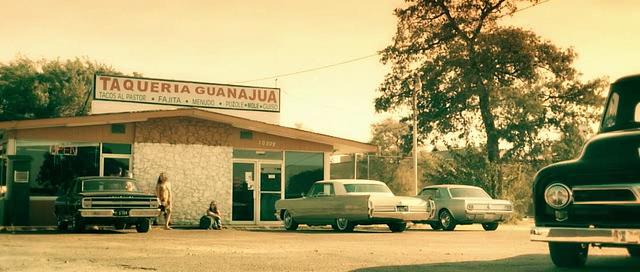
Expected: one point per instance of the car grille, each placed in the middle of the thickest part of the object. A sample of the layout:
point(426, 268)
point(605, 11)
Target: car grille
point(603, 195)
point(123, 202)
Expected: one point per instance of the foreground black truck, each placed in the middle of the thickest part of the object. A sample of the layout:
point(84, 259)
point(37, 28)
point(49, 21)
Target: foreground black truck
point(105, 201)
point(595, 199)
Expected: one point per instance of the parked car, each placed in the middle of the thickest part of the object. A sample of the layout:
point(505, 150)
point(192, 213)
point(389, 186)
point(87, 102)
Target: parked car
point(346, 203)
point(105, 201)
point(595, 199)
point(464, 205)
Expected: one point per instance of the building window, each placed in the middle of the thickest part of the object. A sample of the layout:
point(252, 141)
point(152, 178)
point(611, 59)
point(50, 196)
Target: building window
point(116, 160)
point(55, 164)
point(108, 148)
point(302, 169)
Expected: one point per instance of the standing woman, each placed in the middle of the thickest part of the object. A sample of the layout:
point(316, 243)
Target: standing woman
point(163, 191)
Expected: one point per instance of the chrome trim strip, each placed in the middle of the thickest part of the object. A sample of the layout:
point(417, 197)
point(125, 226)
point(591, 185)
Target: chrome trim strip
point(631, 188)
point(586, 235)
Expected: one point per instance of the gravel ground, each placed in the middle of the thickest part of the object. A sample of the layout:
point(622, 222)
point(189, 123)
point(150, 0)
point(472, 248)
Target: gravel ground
point(469, 248)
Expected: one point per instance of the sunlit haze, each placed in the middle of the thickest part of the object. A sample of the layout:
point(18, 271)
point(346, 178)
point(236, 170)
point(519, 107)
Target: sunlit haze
point(237, 41)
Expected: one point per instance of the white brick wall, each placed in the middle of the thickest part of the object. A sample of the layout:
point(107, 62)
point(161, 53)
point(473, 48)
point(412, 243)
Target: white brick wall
point(198, 174)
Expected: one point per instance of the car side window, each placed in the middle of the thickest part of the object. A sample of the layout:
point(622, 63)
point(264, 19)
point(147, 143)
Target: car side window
point(327, 189)
point(314, 190)
point(438, 193)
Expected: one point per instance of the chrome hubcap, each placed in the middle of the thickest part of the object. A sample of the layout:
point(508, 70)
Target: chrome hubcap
point(287, 219)
point(342, 223)
point(445, 219)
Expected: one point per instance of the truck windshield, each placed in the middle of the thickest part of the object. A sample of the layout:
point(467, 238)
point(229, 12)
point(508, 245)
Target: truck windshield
point(106, 185)
point(366, 188)
point(468, 192)
point(623, 106)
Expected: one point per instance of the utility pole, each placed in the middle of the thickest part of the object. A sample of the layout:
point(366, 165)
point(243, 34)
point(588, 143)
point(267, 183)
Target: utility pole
point(416, 87)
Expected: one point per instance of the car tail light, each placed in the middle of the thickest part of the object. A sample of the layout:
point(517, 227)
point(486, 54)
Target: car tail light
point(86, 202)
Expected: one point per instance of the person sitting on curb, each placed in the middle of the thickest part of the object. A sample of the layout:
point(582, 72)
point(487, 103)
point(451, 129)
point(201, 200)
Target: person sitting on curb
point(212, 220)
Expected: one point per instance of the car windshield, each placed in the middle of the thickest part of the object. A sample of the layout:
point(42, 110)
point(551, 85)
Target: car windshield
point(107, 185)
point(468, 192)
point(366, 188)
point(623, 106)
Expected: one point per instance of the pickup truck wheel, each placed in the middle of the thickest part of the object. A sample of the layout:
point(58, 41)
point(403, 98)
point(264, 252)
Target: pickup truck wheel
point(435, 226)
point(143, 225)
point(288, 221)
point(343, 224)
point(568, 254)
point(63, 225)
point(446, 220)
point(490, 226)
point(397, 227)
point(634, 251)
point(76, 224)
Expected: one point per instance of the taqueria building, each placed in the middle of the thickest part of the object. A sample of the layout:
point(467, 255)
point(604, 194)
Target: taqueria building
point(212, 140)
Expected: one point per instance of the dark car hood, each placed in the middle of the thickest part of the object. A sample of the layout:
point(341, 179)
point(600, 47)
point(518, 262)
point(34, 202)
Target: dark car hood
point(606, 158)
point(117, 194)
point(616, 146)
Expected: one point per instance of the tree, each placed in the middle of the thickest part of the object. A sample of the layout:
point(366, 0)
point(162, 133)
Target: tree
point(41, 89)
point(392, 164)
point(508, 83)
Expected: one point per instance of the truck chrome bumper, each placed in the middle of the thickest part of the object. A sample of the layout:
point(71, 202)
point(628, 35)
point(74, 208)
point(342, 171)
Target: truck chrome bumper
point(586, 235)
point(112, 213)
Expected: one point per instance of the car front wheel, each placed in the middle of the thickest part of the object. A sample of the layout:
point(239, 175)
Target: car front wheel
point(490, 226)
point(446, 221)
point(343, 224)
point(397, 227)
point(143, 225)
point(568, 254)
point(289, 222)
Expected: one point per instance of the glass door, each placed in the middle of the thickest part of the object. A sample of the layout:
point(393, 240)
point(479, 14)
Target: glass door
point(270, 189)
point(243, 191)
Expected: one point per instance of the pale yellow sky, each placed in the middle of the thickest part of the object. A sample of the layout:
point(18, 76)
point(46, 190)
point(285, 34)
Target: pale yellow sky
point(232, 41)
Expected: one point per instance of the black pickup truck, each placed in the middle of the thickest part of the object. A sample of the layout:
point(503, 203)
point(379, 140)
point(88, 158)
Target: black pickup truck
point(105, 201)
point(595, 199)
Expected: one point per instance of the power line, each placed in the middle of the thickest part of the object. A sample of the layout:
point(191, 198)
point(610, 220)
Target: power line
point(309, 70)
point(533, 5)
point(350, 60)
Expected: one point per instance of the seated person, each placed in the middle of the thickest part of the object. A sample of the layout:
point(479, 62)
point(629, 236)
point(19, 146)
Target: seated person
point(212, 220)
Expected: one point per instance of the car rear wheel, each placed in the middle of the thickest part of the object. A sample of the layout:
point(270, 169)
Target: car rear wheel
point(490, 226)
point(397, 227)
point(446, 220)
point(634, 251)
point(568, 254)
point(343, 224)
point(143, 225)
point(288, 221)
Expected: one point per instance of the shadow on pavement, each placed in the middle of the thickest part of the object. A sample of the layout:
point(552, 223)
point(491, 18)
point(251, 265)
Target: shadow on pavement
point(533, 262)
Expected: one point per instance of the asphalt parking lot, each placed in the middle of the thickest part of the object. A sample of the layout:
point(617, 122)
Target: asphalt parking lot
point(469, 248)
